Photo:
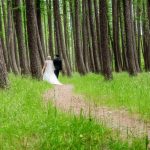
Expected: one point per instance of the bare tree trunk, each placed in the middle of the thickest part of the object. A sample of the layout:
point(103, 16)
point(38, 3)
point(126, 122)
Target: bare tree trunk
point(148, 6)
point(39, 24)
point(62, 42)
point(50, 27)
point(41, 52)
point(16, 50)
point(19, 32)
point(134, 37)
point(129, 38)
point(6, 37)
point(3, 70)
point(116, 45)
point(84, 36)
point(146, 41)
point(3, 42)
point(72, 24)
point(104, 41)
point(90, 48)
point(139, 36)
point(78, 49)
point(96, 8)
point(123, 39)
point(94, 38)
point(32, 40)
point(11, 49)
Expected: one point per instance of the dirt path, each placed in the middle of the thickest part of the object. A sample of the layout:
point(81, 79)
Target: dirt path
point(64, 99)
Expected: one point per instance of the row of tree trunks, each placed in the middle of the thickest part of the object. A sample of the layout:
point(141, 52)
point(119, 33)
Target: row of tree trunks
point(82, 33)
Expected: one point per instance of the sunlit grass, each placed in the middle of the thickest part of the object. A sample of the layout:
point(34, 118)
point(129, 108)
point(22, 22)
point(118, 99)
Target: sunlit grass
point(26, 123)
point(131, 93)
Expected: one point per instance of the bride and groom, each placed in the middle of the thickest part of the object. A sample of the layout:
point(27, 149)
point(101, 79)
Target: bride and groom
point(51, 70)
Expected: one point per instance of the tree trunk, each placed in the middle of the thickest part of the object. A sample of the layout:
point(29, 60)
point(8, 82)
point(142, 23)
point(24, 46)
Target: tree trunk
point(94, 38)
point(129, 38)
point(19, 32)
point(148, 4)
point(104, 41)
point(78, 50)
point(11, 49)
point(32, 40)
point(3, 70)
point(39, 24)
point(3, 41)
point(139, 36)
point(90, 49)
point(96, 8)
point(116, 46)
point(84, 36)
point(123, 39)
point(62, 41)
point(50, 27)
point(6, 37)
point(146, 41)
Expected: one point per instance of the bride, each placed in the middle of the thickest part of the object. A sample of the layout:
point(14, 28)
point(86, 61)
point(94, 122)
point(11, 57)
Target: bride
point(48, 72)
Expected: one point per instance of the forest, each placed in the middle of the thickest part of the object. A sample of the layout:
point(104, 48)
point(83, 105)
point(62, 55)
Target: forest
point(104, 46)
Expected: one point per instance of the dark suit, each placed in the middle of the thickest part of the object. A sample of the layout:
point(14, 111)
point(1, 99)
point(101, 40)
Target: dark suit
point(58, 65)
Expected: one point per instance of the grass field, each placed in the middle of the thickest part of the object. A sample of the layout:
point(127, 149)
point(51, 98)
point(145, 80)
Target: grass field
point(26, 123)
point(131, 93)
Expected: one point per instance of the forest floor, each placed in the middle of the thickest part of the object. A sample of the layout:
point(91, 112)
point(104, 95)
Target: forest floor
point(128, 125)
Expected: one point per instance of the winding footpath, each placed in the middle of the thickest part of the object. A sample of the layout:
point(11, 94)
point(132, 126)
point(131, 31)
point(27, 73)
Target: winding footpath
point(64, 99)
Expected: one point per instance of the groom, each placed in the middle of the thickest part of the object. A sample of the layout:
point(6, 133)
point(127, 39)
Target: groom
point(58, 65)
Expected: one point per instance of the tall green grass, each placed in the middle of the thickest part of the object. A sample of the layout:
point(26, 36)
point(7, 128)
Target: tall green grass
point(131, 93)
point(27, 124)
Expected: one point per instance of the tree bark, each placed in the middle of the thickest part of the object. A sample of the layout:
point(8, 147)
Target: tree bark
point(84, 36)
point(104, 41)
point(97, 20)
point(94, 38)
point(20, 37)
point(6, 37)
point(129, 38)
point(32, 40)
point(49, 11)
point(3, 42)
point(11, 49)
point(39, 24)
point(116, 45)
point(3, 70)
point(57, 18)
point(78, 49)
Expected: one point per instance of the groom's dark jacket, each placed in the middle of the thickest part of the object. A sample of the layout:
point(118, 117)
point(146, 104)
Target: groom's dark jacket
point(57, 63)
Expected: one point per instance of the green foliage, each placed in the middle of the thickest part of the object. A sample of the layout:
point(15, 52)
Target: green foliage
point(131, 93)
point(27, 123)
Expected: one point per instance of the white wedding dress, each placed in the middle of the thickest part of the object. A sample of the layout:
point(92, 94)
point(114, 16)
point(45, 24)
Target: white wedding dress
point(49, 74)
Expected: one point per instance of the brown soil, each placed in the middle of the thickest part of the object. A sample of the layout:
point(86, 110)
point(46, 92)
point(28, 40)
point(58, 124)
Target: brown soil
point(64, 99)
